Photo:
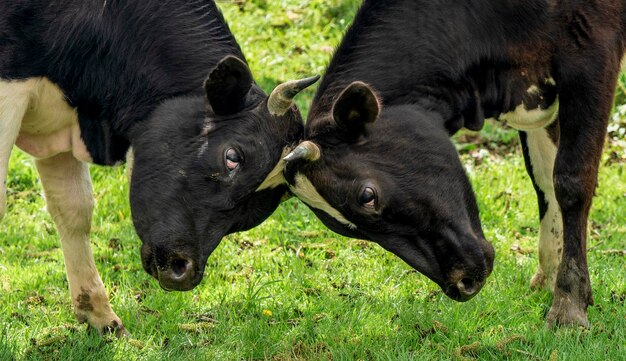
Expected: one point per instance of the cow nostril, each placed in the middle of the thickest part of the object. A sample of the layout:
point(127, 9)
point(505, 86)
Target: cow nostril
point(180, 267)
point(467, 286)
point(178, 272)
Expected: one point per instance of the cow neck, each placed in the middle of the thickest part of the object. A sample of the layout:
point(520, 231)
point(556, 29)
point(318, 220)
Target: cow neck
point(415, 52)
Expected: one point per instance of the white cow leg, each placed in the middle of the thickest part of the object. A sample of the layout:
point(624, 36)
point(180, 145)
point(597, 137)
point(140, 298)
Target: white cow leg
point(540, 153)
point(12, 110)
point(69, 197)
point(550, 247)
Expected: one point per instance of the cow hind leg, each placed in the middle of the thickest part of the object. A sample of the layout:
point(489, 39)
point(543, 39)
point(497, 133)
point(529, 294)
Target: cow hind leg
point(540, 147)
point(12, 109)
point(130, 163)
point(69, 198)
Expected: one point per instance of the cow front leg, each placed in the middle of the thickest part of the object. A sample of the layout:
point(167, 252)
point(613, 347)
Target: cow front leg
point(539, 147)
point(586, 93)
point(69, 198)
point(12, 110)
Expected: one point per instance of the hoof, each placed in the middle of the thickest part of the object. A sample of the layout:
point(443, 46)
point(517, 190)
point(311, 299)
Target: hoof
point(538, 282)
point(116, 329)
point(543, 281)
point(566, 313)
point(113, 327)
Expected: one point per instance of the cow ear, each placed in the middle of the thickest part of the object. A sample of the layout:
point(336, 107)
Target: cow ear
point(356, 107)
point(228, 85)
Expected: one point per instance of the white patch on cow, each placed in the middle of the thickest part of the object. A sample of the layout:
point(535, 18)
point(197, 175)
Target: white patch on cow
point(276, 177)
point(69, 198)
point(524, 119)
point(13, 106)
point(542, 152)
point(307, 193)
point(49, 125)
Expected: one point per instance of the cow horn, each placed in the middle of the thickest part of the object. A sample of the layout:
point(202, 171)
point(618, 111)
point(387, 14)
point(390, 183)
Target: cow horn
point(306, 150)
point(282, 97)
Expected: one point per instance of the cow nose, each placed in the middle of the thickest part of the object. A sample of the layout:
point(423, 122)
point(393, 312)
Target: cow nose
point(468, 287)
point(465, 285)
point(178, 274)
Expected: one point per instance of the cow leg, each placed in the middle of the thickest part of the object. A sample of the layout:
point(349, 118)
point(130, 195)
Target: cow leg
point(540, 147)
point(12, 110)
point(587, 85)
point(68, 191)
point(130, 162)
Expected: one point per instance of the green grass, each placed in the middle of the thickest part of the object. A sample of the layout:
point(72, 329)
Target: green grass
point(292, 290)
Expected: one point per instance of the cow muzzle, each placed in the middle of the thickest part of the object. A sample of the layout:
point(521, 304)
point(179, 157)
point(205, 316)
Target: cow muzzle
point(464, 287)
point(466, 282)
point(175, 271)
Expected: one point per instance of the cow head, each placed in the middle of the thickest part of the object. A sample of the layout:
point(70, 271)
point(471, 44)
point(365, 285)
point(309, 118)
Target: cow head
point(206, 166)
point(392, 175)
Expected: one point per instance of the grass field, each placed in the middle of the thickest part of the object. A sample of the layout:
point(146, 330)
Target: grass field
point(292, 290)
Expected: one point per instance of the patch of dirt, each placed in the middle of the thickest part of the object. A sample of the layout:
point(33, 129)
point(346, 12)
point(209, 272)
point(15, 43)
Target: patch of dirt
point(197, 327)
point(424, 332)
point(115, 244)
point(48, 343)
point(35, 300)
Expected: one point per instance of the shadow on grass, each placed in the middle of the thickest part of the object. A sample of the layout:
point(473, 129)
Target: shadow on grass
point(69, 342)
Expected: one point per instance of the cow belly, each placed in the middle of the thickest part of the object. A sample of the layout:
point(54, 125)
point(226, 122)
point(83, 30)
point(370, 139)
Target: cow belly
point(49, 125)
point(65, 140)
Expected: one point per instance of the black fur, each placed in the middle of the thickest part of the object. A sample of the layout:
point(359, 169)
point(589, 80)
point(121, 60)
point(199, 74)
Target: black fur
point(438, 66)
point(168, 78)
point(115, 63)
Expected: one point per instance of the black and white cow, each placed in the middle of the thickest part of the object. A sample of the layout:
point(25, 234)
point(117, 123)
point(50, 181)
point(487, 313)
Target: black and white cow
point(82, 80)
point(377, 162)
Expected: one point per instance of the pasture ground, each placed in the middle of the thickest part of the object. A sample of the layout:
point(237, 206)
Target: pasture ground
point(292, 290)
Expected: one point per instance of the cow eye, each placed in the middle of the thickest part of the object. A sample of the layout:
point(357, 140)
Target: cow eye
point(232, 159)
point(367, 198)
